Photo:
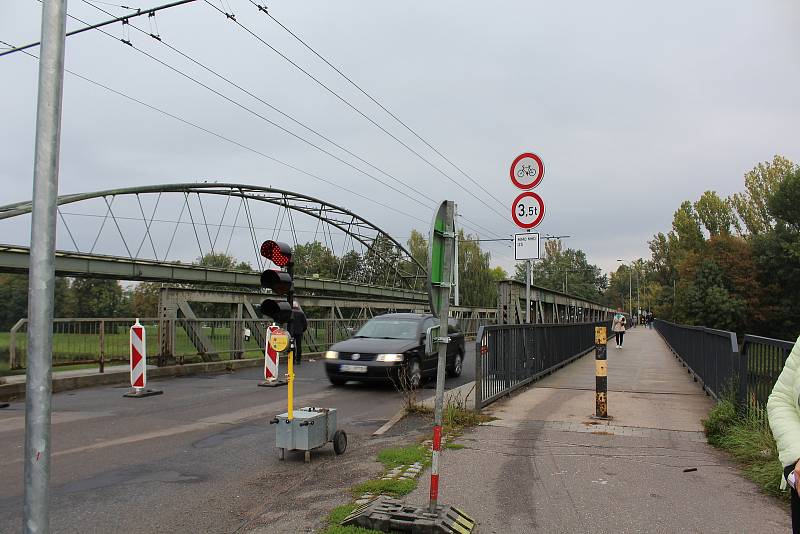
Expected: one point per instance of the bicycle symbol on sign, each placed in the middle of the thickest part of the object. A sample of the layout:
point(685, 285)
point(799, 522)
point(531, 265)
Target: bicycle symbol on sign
point(526, 170)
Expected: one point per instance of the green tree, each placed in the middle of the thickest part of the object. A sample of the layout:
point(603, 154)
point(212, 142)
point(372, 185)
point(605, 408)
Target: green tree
point(418, 247)
point(760, 184)
point(710, 303)
point(715, 214)
point(315, 259)
point(351, 268)
point(477, 286)
point(91, 297)
point(686, 228)
point(144, 299)
point(559, 268)
point(14, 296)
point(777, 256)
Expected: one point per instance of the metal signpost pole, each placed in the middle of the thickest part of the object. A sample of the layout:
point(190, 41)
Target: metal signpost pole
point(441, 277)
point(528, 293)
point(41, 274)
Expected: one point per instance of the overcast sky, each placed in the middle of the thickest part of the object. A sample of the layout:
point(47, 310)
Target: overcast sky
point(633, 106)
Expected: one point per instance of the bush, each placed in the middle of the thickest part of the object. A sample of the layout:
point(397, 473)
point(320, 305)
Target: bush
point(750, 442)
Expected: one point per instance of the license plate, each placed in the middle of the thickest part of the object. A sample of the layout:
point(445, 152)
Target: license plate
point(353, 368)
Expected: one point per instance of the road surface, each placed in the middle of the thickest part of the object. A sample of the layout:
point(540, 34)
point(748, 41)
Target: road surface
point(199, 458)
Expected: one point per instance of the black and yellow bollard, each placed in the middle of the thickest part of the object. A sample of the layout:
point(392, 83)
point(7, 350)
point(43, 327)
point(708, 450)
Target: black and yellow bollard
point(601, 373)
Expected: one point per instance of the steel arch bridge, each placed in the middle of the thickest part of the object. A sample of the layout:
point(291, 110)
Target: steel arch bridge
point(138, 248)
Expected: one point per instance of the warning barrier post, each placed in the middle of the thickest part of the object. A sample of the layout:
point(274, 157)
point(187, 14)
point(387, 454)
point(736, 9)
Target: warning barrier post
point(601, 373)
point(138, 353)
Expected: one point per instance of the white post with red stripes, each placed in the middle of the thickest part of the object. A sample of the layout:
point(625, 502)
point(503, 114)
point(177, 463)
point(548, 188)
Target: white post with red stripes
point(139, 363)
point(138, 357)
point(271, 359)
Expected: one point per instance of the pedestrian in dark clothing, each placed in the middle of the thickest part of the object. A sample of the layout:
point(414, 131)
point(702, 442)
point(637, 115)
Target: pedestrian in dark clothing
point(298, 327)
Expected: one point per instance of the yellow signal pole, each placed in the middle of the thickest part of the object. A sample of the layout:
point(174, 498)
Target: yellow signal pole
point(290, 379)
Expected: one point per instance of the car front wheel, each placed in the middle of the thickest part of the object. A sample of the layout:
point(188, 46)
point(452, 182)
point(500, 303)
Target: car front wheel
point(458, 366)
point(413, 373)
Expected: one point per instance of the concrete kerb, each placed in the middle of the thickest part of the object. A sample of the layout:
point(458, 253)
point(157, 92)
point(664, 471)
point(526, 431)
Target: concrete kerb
point(17, 390)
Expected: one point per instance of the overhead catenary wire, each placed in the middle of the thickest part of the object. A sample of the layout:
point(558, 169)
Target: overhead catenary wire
point(123, 18)
point(271, 106)
point(236, 143)
point(354, 108)
point(266, 119)
point(473, 225)
point(264, 10)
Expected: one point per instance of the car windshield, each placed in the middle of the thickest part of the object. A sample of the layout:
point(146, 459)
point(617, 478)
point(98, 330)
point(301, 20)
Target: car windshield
point(389, 329)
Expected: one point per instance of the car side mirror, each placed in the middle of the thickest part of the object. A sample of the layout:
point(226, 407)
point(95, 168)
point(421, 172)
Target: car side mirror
point(431, 345)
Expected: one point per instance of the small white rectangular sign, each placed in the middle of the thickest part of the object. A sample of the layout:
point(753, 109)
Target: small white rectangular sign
point(526, 246)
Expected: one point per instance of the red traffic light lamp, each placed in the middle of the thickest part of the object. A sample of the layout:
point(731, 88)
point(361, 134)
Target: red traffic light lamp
point(278, 253)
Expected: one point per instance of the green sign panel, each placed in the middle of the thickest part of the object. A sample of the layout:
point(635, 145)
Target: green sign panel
point(441, 255)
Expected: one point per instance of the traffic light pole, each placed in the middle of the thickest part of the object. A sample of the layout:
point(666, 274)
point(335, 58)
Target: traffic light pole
point(41, 274)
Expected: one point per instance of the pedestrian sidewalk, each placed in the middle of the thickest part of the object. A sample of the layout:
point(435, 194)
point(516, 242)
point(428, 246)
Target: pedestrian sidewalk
point(72, 373)
point(545, 466)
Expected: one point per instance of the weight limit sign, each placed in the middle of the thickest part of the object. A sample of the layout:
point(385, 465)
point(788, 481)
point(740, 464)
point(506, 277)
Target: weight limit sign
point(528, 210)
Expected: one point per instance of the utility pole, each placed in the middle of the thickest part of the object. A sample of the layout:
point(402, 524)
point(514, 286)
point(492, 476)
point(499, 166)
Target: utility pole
point(630, 284)
point(528, 292)
point(41, 274)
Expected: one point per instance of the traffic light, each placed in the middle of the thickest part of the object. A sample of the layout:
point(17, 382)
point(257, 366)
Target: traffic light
point(279, 281)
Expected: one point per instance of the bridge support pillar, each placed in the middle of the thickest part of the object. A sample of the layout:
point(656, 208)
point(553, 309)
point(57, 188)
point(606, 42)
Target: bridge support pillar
point(167, 316)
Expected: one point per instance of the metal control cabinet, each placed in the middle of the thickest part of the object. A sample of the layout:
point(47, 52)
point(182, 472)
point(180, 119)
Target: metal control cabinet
point(310, 428)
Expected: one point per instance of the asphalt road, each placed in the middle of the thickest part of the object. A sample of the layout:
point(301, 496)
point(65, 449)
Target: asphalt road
point(199, 458)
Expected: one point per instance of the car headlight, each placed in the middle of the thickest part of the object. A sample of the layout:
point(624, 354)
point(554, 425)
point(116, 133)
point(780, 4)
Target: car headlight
point(389, 358)
point(331, 354)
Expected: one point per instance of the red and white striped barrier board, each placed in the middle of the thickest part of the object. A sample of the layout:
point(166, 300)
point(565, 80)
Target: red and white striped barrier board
point(138, 356)
point(271, 356)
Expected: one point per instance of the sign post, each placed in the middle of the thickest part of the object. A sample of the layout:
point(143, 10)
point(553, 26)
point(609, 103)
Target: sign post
point(527, 211)
point(526, 247)
point(440, 273)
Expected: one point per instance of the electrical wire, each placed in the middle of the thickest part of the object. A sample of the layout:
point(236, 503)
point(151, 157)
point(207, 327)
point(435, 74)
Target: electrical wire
point(379, 104)
point(347, 103)
point(234, 142)
point(271, 106)
point(260, 116)
point(124, 19)
point(472, 224)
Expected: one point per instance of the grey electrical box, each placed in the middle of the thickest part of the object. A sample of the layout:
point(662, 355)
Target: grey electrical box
point(309, 429)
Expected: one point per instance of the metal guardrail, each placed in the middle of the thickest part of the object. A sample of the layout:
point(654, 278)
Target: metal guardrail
point(710, 356)
point(765, 358)
point(508, 357)
point(101, 341)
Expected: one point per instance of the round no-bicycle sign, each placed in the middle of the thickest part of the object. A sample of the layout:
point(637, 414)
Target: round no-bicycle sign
point(527, 170)
point(528, 210)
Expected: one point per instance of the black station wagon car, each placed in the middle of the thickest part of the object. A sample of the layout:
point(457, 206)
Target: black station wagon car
point(391, 344)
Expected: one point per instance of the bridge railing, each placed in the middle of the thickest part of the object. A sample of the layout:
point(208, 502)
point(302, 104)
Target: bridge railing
point(746, 373)
point(508, 357)
point(711, 356)
point(764, 359)
point(105, 341)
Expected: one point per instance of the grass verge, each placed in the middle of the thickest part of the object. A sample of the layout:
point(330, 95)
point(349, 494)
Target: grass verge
point(456, 418)
point(338, 515)
point(750, 442)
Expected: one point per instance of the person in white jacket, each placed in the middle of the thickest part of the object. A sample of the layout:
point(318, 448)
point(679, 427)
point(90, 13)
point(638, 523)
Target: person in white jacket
point(783, 410)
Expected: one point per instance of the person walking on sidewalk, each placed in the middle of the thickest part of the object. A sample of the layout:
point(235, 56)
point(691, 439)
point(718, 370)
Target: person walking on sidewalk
point(783, 411)
point(618, 327)
point(298, 328)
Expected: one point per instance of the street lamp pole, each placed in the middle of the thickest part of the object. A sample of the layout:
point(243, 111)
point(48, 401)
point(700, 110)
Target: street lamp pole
point(630, 285)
